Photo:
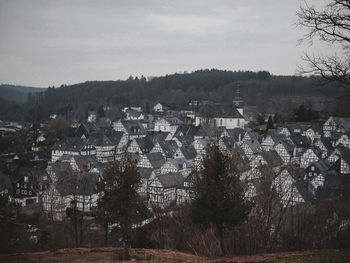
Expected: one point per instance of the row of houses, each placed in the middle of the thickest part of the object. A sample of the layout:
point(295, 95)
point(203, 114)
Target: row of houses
point(301, 163)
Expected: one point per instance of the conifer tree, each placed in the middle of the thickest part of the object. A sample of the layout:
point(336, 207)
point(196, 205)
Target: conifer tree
point(269, 125)
point(119, 198)
point(217, 194)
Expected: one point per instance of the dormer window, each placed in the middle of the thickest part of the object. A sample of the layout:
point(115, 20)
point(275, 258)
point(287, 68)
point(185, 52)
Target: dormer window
point(26, 179)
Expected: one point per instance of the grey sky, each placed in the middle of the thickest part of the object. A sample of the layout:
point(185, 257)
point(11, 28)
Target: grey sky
point(63, 42)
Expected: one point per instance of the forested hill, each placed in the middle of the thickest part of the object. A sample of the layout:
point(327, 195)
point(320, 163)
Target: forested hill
point(177, 90)
point(17, 93)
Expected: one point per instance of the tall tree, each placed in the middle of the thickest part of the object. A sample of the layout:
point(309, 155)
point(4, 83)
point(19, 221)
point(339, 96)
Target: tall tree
point(218, 197)
point(269, 124)
point(330, 24)
point(119, 198)
point(59, 128)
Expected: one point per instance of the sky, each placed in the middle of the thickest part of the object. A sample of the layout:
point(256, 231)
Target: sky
point(51, 42)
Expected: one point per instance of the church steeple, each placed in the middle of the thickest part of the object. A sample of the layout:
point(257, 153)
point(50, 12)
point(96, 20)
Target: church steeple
point(237, 101)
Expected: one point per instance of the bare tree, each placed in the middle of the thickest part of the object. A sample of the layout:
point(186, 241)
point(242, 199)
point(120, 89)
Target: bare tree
point(331, 25)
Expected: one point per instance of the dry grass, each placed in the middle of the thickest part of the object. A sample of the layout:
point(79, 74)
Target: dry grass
point(106, 255)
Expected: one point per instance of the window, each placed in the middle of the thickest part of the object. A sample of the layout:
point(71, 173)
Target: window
point(312, 168)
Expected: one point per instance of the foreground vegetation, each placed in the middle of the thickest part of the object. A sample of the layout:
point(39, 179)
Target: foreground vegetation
point(148, 255)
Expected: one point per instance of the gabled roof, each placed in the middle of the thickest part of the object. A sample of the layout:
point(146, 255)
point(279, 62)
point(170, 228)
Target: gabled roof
point(171, 180)
point(69, 144)
point(77, 184)
point(321, 165)
point(144, 143)
point(156, 159)
point(205, 130)
point(186, 130)
point(345, 154)
point(326, 143)
point(179, 162)
point(272, 158)
point(169, 148)
point(115, 137)
point(189, 152)
point(158, 136)
point(133, 127)
point(299, 141)
point(185, 140)
point(99, 139)
point(145, 173)
point(235, 133)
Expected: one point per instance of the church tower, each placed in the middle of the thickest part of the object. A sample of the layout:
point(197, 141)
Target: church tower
point(238, 102)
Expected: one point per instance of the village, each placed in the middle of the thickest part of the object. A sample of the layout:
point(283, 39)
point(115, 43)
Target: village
point(304, 163)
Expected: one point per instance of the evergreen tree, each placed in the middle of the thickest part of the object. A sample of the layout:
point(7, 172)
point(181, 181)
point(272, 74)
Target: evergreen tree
point(101, 112)
point(8, 218)
point(218, 197)
point(119, 199)
point(269, 125)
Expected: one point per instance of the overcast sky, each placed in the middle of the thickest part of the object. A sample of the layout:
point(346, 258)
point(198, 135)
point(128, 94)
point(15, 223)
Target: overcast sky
point(52, 42)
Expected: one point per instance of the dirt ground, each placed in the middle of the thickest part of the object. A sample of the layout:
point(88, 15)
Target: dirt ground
point(106, 255)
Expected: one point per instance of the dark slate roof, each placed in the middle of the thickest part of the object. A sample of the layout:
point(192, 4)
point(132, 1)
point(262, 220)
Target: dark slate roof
point(254, 136)
point(81, 130)
point(145, 173)
point(235, 133)
point(205, 130)
point(345, 154)
point(171, 180)
point(185, 140)
point(156, 159)
point(169, 148)
point(288, 146)
point(115, 137)
point(299, 141)
point(158, 136)
point(278, 137)
point(321, 165)
point(325, 141)
point(186, 130)
point(79, 184)
point(223, 111)
point(189, 152)
point(272, 158)
point(69, 144)
point(133, 127)
point(103, 123)
point(99, 139)
point(145, 144)
point(179, 162)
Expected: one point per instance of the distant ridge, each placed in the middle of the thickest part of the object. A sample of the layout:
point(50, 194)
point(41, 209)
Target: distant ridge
point(17, 93)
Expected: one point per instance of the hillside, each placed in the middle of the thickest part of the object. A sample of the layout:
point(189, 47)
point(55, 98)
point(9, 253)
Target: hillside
point(108, 255)
point(175, 91)
point(16, 93)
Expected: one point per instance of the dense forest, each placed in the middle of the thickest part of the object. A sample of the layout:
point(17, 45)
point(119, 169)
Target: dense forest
point(175, 91)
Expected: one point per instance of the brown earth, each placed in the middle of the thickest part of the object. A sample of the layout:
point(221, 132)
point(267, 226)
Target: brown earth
point(106, 255)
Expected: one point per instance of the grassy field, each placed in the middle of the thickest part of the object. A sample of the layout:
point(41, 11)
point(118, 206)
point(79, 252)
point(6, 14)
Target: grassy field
point(108, 255)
